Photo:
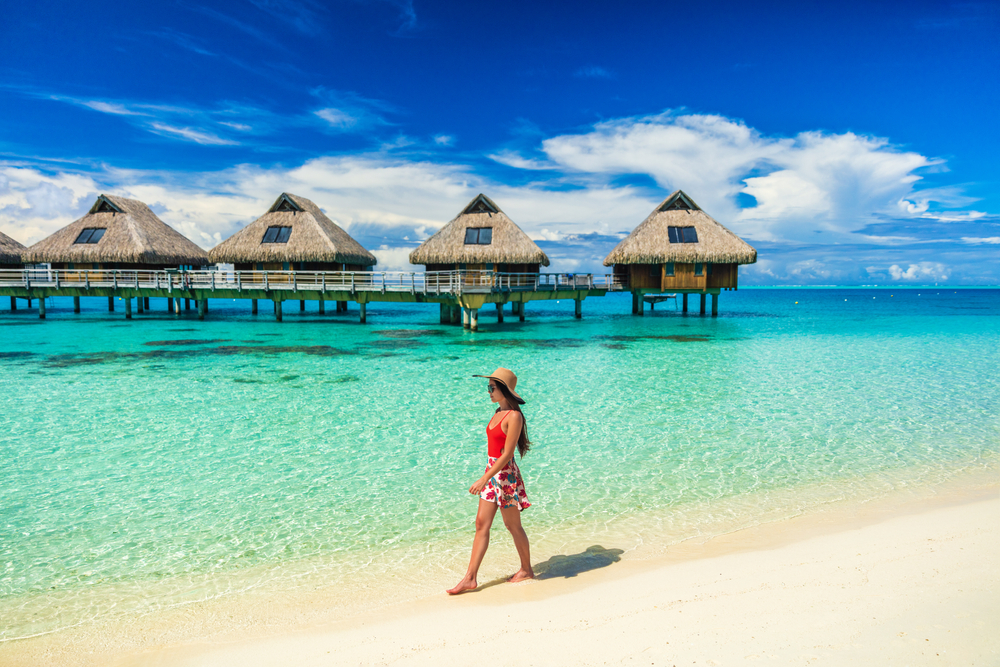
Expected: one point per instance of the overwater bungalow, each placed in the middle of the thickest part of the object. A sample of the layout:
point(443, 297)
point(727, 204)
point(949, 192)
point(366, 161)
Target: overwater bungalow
point(11, 253)
point(117, 233)
point(480, 238)
point(680, 249)
point(293, 235)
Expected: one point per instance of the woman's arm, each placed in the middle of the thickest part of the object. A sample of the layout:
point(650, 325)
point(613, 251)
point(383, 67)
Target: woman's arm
point(514, 425)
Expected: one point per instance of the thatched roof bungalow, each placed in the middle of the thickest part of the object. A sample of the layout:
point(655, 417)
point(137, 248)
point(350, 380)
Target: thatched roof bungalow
point(294, 234)
point(481, 237)
point(10, 253)
point(117, 233)
point(679, 247)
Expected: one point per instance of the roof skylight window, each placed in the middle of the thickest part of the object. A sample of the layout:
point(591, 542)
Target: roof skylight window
point(277, 235)
point(479, 236)
point(90, 235)
point(682, 234)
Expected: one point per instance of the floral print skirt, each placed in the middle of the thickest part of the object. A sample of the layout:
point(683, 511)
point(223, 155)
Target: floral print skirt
point(506, 488)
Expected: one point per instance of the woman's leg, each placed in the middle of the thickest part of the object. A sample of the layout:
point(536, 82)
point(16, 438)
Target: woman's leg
point(484, 520)
point(512, 519)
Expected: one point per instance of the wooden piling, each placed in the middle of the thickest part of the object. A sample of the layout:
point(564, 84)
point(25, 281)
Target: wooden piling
point(685, 300)
point(13, 303)
point(302, 305)
point(520, 311)
point(341, 306)
point(177, 306)
point(76, 304)
point(635, 303)
point(715, 305)
point(139, 305)
point(253, 306)
point(702, 312)
point(128, 308)
point(456, 314)
point(474, 319)
point(322, 307)
point(579, 308)
point(465, 318)
point(642, 305)
point(187, 304)
point(111, 304)
point(277, 310)
point(364, 314)
point(145, 301)
point(170, 304)
point(41, 308)
point(202, 308)
point(444, 315)
point(499, 313)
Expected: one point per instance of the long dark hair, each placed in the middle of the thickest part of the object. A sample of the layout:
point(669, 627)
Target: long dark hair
point(523, 444)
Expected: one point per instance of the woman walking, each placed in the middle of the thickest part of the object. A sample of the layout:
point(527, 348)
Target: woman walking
point(501, 486)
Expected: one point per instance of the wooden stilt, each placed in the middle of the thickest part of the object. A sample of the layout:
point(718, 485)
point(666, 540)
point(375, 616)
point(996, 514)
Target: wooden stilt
point(715, 305)
point(685, 300)
point(41, 308)
point(76, 304)
point(322, 307)
point(13, 303)
point(364, 313)
point(302, 305)
point(111, 304)
point(341, 306)
point(444, 313)
point(474, 319)
point(635, 303)
point(520, 311)
point(253, 306)
point(277, 310)
point(187, 304)
point(139, 305)
point(177, 306)
point(170, 304)
point(465, 318)
point(145, 301)
point(128, 308)
point(499, 313)
point(29, 302)
point(702, 311)
point(456, 314)
point(202, 308)
point(206, 304)
point(642, 305)
point(579, 308)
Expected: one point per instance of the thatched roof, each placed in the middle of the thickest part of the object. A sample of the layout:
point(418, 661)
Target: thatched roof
point(649, 243)
point(133, 235)
point(10, 250)
point(313, 238)
point(509, 245)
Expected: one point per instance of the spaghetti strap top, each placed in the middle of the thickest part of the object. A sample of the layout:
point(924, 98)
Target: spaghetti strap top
point(496, 438)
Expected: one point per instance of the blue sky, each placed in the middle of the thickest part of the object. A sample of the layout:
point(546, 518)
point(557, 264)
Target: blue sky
point(851, 143)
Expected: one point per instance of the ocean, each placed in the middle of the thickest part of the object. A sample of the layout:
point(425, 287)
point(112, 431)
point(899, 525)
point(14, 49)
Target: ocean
point(150, 464)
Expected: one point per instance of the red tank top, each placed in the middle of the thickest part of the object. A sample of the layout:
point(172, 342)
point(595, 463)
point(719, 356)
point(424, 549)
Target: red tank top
point(496, 438)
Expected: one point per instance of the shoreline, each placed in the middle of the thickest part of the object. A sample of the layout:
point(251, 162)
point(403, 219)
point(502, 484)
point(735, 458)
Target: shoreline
point(215, 631)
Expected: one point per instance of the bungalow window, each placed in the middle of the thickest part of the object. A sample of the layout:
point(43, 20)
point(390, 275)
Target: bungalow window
point(479, 236)
point(668, 269)
point(90, 235)
point(699, 269)
point(682, 234)
point(277, 235)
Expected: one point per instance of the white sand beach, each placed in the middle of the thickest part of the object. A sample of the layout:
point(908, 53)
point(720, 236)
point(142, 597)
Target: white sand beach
point(919, 587)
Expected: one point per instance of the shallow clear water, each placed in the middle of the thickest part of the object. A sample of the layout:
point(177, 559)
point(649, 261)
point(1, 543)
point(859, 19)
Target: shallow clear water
point(165, 459)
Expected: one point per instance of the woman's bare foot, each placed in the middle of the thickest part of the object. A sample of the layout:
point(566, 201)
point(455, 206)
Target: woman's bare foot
point(466, 584)
point(522, 575)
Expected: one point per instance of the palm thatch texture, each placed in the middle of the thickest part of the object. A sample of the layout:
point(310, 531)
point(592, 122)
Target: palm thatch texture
point(679, 231)
point(120, 232)
point(480, 234)
point(293, 231)
point(10, 251)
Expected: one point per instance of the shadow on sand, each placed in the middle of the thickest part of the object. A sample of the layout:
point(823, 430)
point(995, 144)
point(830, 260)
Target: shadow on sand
point(592, 558)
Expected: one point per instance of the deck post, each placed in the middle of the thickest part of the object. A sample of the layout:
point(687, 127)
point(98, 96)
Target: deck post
point(579, 308)
point(342, 305)
point(202, 308)
point(499, 313)
point(520, 310)
point(170, 303)
point(364, 313)
point(322, 307)
point(29, 302)
point(474, 319)
point(445, 313)
point(702, 312)
point(302, 305)
point(456, 314)
point(76, 304)
point(253, 306)
point(715, 305)
point(277, 310)
point(635, 303)
point(685, 300)
point(139, 305)
point(177, 306)
point(465, 317)
point(145, 301)
point(187, 304)
point(13, 303)
point(41, 307)
point(128, 308)
point(111, 304)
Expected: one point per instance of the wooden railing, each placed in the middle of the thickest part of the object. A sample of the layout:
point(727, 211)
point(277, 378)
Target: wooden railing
point(430, 282)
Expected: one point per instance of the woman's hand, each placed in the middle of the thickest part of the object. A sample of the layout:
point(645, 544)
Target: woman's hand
point(478, 487)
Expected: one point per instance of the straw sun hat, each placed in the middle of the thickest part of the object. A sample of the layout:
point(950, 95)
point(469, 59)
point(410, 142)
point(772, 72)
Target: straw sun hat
point(505, 377)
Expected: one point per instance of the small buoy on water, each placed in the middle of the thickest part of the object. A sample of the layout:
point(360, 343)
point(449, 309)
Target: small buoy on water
point(796, 302)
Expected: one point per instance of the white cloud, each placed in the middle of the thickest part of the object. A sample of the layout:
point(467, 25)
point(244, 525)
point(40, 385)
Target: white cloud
point(512, 159)
point(444, 140)
point(979, 240)
point(338, 119)
point(111, 108)
point(190, 134)
point(923, 270)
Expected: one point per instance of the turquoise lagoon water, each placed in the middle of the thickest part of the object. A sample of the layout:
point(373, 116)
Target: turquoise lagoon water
point(152, 462)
